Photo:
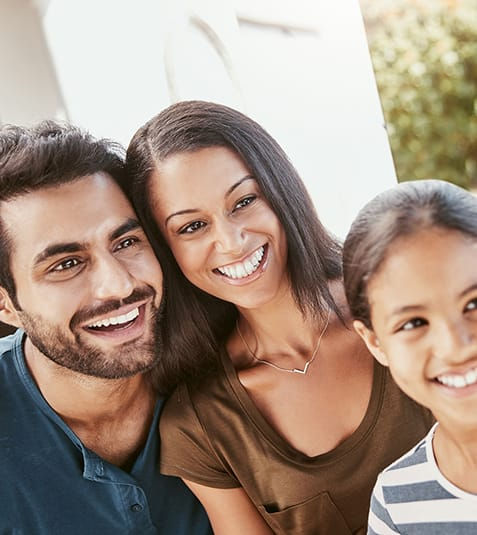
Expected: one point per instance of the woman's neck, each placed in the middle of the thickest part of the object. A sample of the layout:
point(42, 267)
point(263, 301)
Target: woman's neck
point(278, 332)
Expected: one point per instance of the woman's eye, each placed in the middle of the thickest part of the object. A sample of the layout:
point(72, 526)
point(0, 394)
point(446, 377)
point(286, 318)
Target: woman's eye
point(192, 227)
point(66, 264)
point(413, 323)
point(127, 242)
point(244, 202)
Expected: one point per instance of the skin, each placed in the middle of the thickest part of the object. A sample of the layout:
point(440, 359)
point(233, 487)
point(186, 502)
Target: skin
point(423, 302)
point(79, 256)
point(213, 215)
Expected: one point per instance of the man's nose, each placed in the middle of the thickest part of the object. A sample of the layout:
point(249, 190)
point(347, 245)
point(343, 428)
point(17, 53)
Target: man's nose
point(111, 279)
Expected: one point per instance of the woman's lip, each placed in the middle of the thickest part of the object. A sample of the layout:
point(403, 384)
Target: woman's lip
point(243, 259)
point(249, 278)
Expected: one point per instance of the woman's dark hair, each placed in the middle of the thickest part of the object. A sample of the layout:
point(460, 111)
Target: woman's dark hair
point(314, 256)
point(401, 211)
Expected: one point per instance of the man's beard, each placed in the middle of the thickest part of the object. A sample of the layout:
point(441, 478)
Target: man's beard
point(121, 361)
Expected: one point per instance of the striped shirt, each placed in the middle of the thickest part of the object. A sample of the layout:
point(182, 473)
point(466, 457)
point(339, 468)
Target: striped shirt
point(412, 497)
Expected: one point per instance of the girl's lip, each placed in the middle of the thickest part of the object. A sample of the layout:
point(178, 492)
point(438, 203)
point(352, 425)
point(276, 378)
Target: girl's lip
point(456, 393)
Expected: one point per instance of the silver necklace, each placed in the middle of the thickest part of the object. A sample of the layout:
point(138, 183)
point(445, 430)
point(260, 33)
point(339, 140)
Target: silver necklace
point(294, 370)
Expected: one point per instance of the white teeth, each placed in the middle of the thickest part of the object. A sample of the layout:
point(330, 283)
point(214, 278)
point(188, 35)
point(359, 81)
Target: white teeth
point(459, 381)
point(117, 320)
point(245, 268)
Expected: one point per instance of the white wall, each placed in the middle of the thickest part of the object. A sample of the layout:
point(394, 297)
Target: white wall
point(29, 90)
point(301, 69)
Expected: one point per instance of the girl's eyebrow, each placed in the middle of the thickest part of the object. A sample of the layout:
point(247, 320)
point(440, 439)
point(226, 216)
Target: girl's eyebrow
point(470, 288)
point(406, 308)
point(227, 193)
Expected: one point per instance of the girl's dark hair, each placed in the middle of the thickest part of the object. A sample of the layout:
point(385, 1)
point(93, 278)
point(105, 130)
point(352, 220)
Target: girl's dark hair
point(314, 256)
point(397, 212)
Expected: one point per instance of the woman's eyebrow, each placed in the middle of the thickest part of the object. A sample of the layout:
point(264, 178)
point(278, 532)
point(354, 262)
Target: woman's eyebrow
point(237, 184)
point(227, 193)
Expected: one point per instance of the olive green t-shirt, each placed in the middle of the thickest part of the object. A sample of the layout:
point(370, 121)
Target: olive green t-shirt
point(215, 436)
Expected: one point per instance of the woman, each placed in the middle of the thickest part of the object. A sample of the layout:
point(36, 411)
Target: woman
point(288, 433)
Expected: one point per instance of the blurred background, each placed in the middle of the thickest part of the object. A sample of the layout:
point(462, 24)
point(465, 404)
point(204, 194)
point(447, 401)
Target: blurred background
point(425, 60)
point(301, 69)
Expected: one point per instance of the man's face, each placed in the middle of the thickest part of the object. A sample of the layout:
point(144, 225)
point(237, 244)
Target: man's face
point(88, 284)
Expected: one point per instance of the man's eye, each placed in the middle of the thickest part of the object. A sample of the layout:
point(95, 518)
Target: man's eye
point(244, 202)
point(192, 227)
point(128, 242)
point(66, 264)
point(413, 323)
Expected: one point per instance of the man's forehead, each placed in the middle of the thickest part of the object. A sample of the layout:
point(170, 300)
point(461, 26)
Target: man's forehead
point(83, 210)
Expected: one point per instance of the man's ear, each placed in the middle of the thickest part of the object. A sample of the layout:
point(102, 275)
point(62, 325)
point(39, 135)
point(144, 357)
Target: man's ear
point(8, 312)
point(371, 341)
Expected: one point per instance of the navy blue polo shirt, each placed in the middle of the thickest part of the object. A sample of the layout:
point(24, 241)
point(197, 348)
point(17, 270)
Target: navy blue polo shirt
point(50, 484)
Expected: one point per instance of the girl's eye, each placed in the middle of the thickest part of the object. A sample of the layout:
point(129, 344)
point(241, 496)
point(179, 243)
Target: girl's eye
point(192, 227)
point(413, 323)
point(70, 263)
point(471, 306)
point(244, 202)
point(127, 242)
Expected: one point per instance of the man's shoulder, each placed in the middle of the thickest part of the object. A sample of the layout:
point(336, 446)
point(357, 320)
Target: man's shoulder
point(7, 343)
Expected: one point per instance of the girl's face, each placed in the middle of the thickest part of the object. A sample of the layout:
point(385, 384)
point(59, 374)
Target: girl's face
point(423, 302)
point(222, 232)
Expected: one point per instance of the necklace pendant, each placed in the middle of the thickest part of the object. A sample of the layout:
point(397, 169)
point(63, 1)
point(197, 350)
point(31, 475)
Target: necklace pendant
point(305, 369)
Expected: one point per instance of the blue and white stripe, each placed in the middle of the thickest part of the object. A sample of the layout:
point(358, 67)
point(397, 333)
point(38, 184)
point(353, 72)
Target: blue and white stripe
point(412, 497)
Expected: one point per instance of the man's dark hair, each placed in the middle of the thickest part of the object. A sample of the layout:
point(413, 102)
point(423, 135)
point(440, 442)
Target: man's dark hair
point(44, 156)
point(314, 256)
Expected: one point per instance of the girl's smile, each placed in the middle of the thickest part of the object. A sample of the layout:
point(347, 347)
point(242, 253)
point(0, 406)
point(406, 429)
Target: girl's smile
point(425, 329)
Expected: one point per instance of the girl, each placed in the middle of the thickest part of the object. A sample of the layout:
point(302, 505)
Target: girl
point(290, 427)
point(411, 283)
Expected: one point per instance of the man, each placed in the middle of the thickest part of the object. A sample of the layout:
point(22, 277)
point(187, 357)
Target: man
point(78, 414)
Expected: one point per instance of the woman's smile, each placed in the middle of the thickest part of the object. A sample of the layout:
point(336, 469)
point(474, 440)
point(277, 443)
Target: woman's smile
point(221, 230)
point(247, 269)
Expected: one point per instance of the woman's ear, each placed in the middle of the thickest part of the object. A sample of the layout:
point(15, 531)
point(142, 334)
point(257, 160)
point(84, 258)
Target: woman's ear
point(8, 313)
point(371, 341)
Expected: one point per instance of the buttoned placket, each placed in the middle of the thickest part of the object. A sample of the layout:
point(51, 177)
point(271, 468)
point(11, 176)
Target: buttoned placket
point(131, 497)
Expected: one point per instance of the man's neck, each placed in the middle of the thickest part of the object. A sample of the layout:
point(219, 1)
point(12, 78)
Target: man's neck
point(111, 416)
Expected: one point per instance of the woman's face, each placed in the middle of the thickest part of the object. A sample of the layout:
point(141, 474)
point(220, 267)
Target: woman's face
point(423, 302)
point(221, 230)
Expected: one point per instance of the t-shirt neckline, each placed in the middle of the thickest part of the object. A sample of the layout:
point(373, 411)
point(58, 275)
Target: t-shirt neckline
point(281, 445)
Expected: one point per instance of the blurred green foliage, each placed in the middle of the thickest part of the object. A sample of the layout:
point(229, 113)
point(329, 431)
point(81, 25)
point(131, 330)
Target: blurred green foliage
point(425, 61)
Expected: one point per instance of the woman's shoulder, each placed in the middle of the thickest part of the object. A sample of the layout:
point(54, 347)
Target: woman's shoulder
point(192, 399)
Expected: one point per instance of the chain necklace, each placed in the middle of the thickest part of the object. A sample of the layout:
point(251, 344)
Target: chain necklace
point(294, 370)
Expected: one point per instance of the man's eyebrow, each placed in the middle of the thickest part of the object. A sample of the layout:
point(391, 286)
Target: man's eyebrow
point(57, 249)
point(75, 247)
point(127, 226)
point(227, 193)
